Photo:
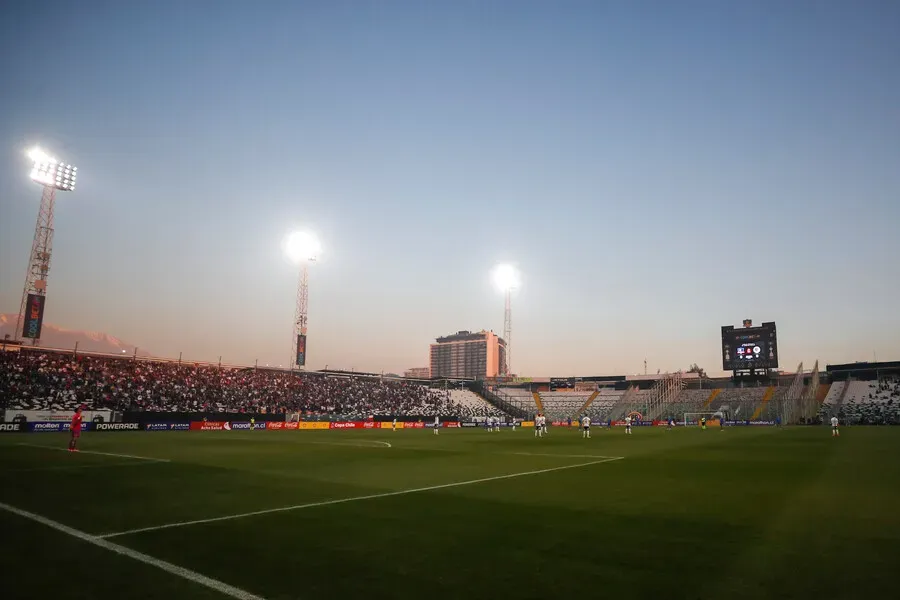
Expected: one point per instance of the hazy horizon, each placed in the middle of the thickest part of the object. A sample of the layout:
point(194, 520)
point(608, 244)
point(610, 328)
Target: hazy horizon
point(654, 169)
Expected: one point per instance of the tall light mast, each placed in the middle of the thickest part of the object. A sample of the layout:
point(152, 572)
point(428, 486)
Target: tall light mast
point(302, 248)
point(53, 176)
point(506, 279)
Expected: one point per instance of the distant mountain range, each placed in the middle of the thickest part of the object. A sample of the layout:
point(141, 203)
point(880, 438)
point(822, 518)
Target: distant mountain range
point(57, 337)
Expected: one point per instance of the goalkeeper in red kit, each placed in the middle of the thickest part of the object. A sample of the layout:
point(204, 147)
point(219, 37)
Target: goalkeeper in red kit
point(75, 428)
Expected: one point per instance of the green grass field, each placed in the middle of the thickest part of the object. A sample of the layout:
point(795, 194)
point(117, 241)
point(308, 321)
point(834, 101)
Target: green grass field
point(743, 513)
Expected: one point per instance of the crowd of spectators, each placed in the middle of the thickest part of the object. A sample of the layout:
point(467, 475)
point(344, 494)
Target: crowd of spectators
point(54, 381)
point(871, 403)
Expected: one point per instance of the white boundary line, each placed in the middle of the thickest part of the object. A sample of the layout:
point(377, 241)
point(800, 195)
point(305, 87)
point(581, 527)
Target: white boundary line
point(564, 455)
point(168, 567)
point(356, 498)
point(95, 452)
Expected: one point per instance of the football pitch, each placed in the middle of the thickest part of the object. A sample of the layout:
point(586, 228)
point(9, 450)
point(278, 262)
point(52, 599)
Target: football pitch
point(741, 513)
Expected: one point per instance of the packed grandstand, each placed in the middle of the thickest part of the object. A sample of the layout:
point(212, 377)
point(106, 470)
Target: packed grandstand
point(32, 379)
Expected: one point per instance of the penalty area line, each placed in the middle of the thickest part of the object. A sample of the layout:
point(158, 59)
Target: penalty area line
point(147, 458)
point(358, 498)
point(168, 567)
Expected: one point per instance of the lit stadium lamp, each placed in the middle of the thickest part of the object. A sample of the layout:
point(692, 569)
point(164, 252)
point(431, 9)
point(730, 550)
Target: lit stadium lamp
point(506, 278)
point(49, 172)
point(302, 246)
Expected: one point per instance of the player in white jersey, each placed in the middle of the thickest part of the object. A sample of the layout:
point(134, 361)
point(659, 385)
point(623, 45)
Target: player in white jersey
point(834, 427)
point(394, 425)
point(586, 427)
point(496, 423)
point(628, 425)
point(513, 423)
point(437, 425)
point(544, 423)
point(538, 431)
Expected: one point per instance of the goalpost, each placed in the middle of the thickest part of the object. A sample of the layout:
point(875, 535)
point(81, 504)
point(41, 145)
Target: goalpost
point(693, 418)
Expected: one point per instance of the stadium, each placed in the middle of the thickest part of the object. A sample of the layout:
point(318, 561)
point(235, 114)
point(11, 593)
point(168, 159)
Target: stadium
point(198, 480)
point(449, 300)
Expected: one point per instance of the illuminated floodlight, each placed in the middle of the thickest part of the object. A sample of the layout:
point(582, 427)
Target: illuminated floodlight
point(49, 172)
point(506, 278)
point(302, 246)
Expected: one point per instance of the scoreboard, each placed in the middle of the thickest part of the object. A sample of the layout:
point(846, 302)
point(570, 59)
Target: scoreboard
point(749, 347)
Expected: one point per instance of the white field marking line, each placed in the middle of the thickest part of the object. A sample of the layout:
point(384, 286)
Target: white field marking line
point(168, 567)
point(95, 452)
point(357, 444)
point(130, 463)
point(355, 498)
point(565, 455)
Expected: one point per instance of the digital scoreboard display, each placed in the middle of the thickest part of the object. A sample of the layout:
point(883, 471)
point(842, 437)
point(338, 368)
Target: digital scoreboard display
point(749, 347)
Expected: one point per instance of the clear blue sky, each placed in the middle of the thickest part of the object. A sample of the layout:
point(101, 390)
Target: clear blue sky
point(656, 170)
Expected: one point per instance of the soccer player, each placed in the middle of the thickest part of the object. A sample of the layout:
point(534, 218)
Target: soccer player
point(628, 425)
point(538, 432)
point(608, 424)
point(834, 427)
point(394, 424)
point(544, 424)
point(75, 428)
point(437, 425)
point(252, 423)
point(703, 423)
point(586, 427)
point(513, 424)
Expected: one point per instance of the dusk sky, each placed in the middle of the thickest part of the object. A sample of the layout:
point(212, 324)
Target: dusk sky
point(655, 169)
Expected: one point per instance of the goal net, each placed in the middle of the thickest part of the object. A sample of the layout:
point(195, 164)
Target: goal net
point(693, 418)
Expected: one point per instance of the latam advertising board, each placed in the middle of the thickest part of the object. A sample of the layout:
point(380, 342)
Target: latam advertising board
point(34, 316)
point(183, 426)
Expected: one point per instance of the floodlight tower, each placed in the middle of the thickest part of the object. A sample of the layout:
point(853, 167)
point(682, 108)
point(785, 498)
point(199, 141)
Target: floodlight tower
point(54, 176)
point(506, 278)
point(302, 248)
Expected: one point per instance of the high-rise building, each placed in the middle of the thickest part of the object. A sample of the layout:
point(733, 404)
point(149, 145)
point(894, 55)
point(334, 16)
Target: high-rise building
point(470, 355)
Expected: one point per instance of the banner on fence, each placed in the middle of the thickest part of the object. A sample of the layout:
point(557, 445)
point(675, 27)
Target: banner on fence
point(209, 425)
point(13, 427)
point(117, 426)
point(47, 416)
point(313, 425)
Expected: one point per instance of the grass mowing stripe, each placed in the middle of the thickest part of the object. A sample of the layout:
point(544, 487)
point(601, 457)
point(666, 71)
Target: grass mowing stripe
point(203, 580)
point(95, 452)
point(103, 465)
point(356, 498)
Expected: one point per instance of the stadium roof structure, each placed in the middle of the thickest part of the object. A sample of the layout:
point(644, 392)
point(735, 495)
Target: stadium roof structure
point(863, 370)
